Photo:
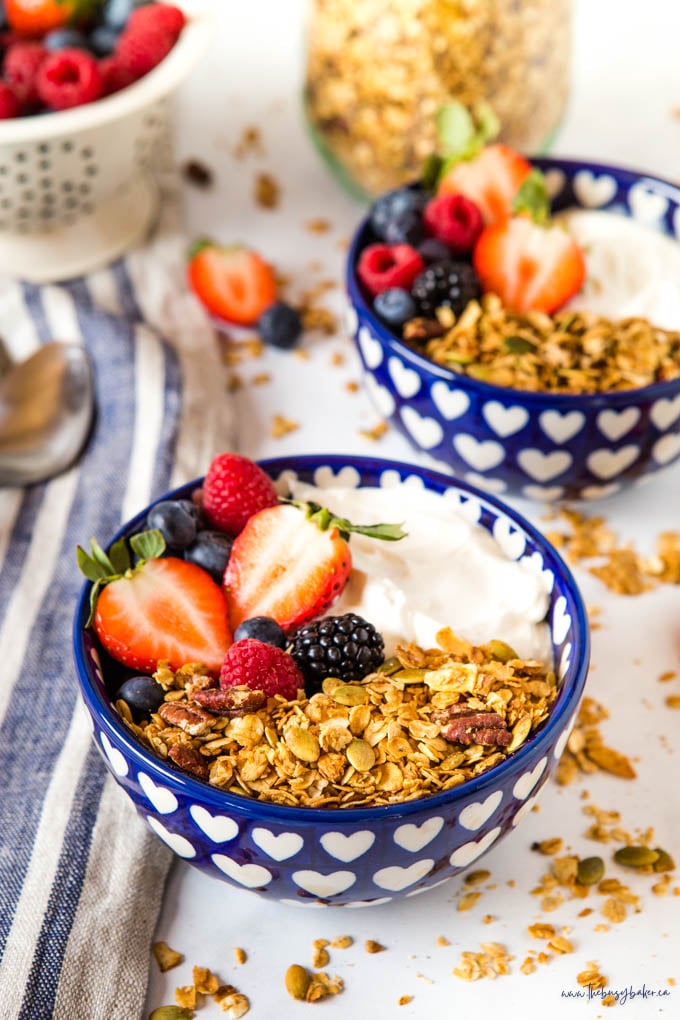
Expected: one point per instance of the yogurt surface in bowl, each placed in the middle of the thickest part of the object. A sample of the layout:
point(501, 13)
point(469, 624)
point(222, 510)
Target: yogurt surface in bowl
point(446, 572)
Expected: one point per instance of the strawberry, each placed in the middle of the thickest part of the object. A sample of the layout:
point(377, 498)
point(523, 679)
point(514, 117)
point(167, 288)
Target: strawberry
point(233, 283)
point(491, 179)
point(234, 489)
point(159, 609)
point(37, 17)
point(529, 263)
point(290, 563)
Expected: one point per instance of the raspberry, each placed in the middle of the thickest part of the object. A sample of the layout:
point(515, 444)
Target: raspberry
point(22, 63)
point(261, 667)
point(382, 266)
point(9, 103)
point(114, 77)
point(69, 78)
point(235, 488)
point(455, 220)
point(139, 51)
point(160, 17)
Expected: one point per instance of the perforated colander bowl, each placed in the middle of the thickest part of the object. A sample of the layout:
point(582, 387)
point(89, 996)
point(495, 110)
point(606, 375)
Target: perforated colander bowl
point(77, 187)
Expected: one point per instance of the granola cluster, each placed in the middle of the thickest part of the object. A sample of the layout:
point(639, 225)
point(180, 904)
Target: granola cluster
point(569, 352)
point(426, 722)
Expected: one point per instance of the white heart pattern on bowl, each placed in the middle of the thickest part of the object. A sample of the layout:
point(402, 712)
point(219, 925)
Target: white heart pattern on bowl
point(470, 509)
point(554, 182)
point(252, 876)
point(561, 427)
point(324, 885)
point(534, 563)
point(527, 783)
point(646, 205)
point(450, 403)
point(162, 799)
point(542, 467)
point(347, 848)
point(665, 411)
point(561, 620)
point(480, 455)
point(370, 348)
point(593, 191)
point(347, 477)
point(563, 738)
point(395, 879)
point(512, 541)
point(118, 763)
point(614, 424)
point(504, 421)
point(406, 381)
point(218, 828)
point(181, 846)
point(607, 463)
point(492, 485)
point(414, 837)
point(565, 660)
point(427, 432)
point(599, 491)
point(666, 448)
point(469, 852)
point(381, 397)
point(351, 320)
point(279, 848)
point(525, 809)
point(543, 493)
point(475, 815)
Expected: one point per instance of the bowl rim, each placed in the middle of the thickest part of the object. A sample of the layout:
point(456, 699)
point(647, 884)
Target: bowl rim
point(567, 701)
point(543, 399)
point(155, 85)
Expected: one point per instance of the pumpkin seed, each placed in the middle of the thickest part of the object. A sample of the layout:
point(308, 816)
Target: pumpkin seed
point(171, 1013)
point(501, 651)
point(518, 345)
point(297, 980)
point(520, 732)
point(410, 675)
point(664, 861)
point(636, 856)
point(389, 666)
point(329, 684)
point(303, 744)
point(360, 755)
point(590, 870)
point(350, 695)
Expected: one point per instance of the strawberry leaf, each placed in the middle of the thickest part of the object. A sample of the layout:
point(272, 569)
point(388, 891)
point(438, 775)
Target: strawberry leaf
point(325, 519)
point(532, 198)
point(199, 245)
point(148, 545)
point(455, 130)
point(95, 564)
point(119, 556)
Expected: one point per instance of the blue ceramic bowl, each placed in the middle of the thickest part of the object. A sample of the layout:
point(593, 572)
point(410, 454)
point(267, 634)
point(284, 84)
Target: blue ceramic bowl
point(541, 445)
point(356, 856)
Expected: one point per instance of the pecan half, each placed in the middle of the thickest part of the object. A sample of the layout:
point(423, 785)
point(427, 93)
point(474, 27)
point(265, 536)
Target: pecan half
point(470, 727)
point(423, 329)
point(230, 701)
point(190, 761)
point(190, 718)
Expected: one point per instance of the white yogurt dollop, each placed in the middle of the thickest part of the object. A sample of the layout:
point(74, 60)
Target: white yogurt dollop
point(632, 269)
point(447, 572)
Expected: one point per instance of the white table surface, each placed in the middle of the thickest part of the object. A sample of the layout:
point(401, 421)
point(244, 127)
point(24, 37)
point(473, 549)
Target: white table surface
point(626, 83)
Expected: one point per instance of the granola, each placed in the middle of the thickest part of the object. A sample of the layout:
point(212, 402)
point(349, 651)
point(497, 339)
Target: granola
point(427, 721)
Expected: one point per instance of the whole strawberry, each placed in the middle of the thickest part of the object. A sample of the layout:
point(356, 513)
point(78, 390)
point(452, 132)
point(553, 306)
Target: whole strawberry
point(234, 489)
point(261, 667)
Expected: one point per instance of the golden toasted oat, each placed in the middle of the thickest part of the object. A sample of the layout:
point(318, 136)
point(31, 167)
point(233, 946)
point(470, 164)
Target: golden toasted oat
point(371, 946)
point(281, 426)
point(240, 955)
point(266, 191)
point(376, 433)
point(166, 958)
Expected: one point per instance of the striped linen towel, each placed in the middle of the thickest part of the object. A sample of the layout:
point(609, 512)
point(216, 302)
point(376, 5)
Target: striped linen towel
point(81, 877)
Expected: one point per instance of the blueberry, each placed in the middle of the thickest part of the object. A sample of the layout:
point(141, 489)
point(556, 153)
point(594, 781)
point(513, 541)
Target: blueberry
point(280, 325)
point(103, 40)
point(65, 39)
point(393, 204)
point(211, 550)
point(405, 228)
point(261, 628)
point(176, 521)
point(142, 694)
point(434, 250)
point(115, 13)
point(395, 306)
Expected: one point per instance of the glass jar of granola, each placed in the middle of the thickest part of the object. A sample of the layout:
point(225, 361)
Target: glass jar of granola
point(378, 70)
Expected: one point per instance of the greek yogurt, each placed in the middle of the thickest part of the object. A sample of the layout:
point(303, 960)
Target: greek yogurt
point(446, 572)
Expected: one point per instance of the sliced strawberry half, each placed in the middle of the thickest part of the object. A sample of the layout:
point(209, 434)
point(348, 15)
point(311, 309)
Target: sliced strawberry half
point(291, 562)
point(491, 180)
point(233, 283)
point(529, 266)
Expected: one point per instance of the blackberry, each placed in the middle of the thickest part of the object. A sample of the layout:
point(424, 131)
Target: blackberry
point(448, 284)
point(347, 647)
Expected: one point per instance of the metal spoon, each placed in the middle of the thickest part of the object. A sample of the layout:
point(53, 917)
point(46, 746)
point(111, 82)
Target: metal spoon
point(46, 413)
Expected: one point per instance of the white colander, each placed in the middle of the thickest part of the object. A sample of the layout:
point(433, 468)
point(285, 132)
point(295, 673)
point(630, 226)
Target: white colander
point(77, 187)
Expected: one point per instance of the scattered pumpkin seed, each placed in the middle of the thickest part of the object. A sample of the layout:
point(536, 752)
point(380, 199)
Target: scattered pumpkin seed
point(412, 675)
point(518, 345)
point(520, 732)
point(636, 856)
point(501, 651)
point(590, 870)
point(297, 981)
point(389, 666)
point(458, 359)
point(171, 1013)
point(360, 755)
point(350, 695)
point(664, 861)
point(330, 684)
point(303, 744)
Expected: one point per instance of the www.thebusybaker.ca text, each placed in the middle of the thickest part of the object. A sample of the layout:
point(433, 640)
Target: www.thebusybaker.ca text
point(622, 995)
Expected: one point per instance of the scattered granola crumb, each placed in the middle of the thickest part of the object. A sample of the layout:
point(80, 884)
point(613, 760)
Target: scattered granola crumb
point(541, 930)
point(281, 426)
point(236, 351)
point(186, 996)
point(318, 226)
point(301, 354)
point(342, 942)
point(232, 1002)
point(468, 901)
point(492, 961)
point(609, 1000)
point(240, 955)
point(319, 319)
point(669, 674)
point(442, 940)
point(267, 192)
point(261, 378)
point(558, 944)
point(672, 701)
point(235, 383)
point(527, 966)
point(352, 386)
point(205, 982)
point(376, 433)
point(249, 143)
point(586, 752)
point(320, 955)
point(404, 1000)
point(197, 173)
point(591, 976)
point(321, 986)
point(548, 846)
point(488, 919)
point(477, 876)
point(337, 359)
point(166, 958)
point(371, 946)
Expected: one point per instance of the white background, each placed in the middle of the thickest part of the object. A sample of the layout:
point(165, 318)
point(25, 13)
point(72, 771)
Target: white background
point(626, 84)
